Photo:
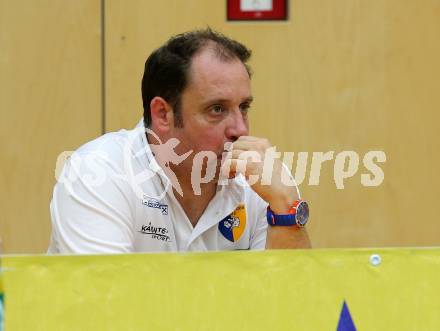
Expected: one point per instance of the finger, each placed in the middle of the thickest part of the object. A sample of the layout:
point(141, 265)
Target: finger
point(247, 138)
point(228, 145)
point(235, 153)
point(229, 167)
point(226, 171)
point(244, 145)
point(252, 144)
point(248, 156)
point(232, 166)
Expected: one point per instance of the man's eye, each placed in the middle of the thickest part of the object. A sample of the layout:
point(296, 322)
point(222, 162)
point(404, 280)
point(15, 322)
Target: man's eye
point(217, 109)
point(245, 108)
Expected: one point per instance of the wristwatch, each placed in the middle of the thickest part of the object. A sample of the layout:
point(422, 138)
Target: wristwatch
point(298, 215)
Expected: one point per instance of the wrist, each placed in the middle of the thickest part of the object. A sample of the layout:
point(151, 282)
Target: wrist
point(297, 215)
point(282, 204)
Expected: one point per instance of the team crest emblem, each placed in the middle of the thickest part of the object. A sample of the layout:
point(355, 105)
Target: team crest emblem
point(233, 225)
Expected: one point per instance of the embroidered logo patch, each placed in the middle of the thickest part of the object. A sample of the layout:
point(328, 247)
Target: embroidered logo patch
point(233, 225)
point(153, 203)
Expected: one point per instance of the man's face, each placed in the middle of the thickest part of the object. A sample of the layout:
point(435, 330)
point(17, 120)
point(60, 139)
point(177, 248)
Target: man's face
point(214, 105)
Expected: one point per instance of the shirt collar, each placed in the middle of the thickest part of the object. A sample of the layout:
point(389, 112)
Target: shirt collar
point(152, 163)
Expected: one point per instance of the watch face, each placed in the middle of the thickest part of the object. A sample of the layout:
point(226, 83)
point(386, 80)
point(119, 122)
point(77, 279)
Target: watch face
point(302, 213)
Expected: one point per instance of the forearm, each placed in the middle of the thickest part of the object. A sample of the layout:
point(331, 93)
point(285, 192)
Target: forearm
point(287, 237)
point(279, 237)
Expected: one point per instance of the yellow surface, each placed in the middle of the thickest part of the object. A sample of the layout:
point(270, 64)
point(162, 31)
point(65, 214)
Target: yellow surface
point(274, 290)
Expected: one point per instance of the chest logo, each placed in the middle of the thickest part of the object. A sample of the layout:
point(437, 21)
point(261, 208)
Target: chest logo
point(153, 203)
point(156, 232)
point(233, 225)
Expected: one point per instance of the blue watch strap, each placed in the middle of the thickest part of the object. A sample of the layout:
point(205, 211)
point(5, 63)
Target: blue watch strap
point(283, 220)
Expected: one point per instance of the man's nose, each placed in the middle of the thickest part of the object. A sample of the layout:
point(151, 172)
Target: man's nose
point(237, 127)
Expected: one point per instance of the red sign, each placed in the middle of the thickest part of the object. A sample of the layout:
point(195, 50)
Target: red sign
point(257, 10)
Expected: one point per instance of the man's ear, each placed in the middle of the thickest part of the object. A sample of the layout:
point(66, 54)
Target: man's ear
point(161, 115)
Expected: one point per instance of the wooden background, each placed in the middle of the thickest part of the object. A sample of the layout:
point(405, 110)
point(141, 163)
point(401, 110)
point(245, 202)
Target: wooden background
point(345, 75)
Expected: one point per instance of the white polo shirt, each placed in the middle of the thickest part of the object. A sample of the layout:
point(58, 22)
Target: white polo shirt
point(113, 197)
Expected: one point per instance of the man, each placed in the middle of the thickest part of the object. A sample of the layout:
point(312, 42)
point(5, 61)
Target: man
point(189, 177)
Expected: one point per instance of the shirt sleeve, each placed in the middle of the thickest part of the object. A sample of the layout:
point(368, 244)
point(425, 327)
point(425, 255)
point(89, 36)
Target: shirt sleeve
point(91, 208)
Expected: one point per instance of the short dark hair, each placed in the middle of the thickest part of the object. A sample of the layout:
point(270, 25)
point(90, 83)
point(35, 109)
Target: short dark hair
point(166, 69)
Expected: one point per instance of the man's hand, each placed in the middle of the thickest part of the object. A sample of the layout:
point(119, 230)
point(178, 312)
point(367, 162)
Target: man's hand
point(259, 163)
point(256, 160)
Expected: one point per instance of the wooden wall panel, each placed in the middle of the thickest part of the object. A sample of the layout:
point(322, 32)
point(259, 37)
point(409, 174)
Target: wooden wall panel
point(50, 101)
point(345, 75)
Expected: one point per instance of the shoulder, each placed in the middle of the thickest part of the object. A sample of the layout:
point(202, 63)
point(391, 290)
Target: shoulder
point(119, 152)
